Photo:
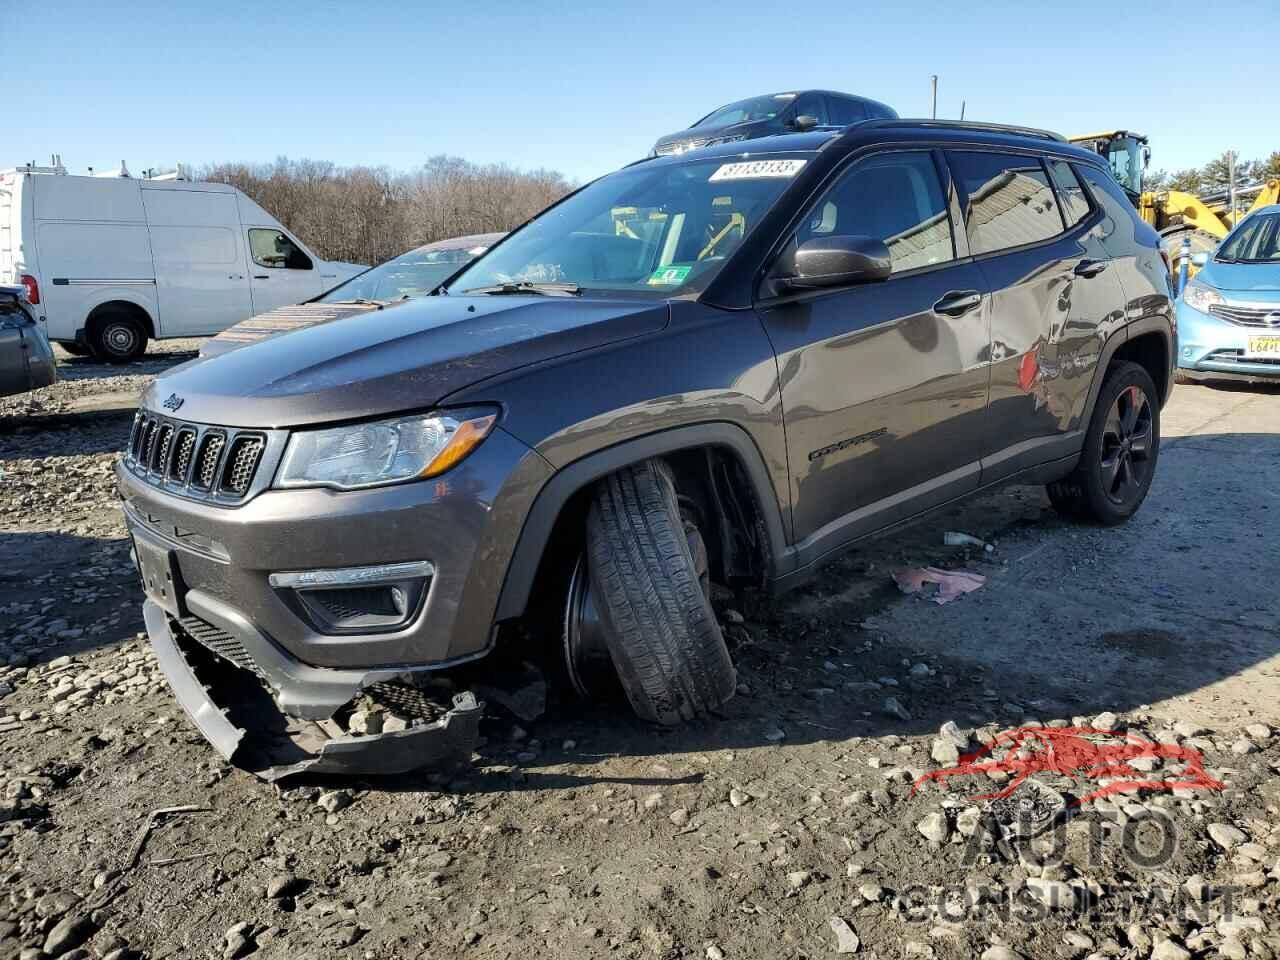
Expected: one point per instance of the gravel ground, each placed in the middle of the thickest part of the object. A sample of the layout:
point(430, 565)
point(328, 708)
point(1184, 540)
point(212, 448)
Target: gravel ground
point(790, 828)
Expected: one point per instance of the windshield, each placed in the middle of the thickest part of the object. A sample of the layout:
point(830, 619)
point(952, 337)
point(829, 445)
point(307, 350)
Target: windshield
point(413, 274)
point(1257, 240)
point(1126, 159)
point(757, 108)
point(656, 231)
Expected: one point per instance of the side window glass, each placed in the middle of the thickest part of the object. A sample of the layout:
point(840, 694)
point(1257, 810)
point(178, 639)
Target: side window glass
point(811, 105)
point(1111, 198)
point(1075, 203)
point(844, 112)
point(271, 248)
point(894, 197)
point(1008, 200)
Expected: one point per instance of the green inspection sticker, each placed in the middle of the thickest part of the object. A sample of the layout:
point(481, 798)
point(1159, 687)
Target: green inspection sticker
point(669, 276)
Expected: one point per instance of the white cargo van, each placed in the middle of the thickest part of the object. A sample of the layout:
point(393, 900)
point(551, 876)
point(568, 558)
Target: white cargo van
point(110, 262)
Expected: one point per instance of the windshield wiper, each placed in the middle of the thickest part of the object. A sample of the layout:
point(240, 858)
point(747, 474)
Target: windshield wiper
point(365, 301)
point(515, 287)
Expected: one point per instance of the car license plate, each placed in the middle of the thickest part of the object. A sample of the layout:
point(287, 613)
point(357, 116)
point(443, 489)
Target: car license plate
point(1265, 347)
point(161, 580)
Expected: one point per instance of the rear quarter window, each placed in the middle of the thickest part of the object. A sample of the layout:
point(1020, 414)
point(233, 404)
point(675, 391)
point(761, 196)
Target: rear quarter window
point(1008, 201)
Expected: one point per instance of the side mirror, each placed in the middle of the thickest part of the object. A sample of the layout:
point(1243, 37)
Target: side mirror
point(1199, 259)
point(839, 261)
point(804, 122)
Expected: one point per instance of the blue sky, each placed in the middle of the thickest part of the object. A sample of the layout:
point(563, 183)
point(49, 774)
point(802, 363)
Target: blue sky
point(584, 88)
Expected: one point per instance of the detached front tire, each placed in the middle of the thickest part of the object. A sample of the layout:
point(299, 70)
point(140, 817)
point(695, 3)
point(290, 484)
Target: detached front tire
point(658, 622)
point(1120, 451)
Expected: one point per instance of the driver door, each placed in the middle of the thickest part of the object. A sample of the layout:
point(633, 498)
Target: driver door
point(281, 272)
point(884, 384)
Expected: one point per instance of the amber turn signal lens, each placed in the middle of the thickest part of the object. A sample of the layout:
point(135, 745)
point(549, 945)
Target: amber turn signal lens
point(465, 439)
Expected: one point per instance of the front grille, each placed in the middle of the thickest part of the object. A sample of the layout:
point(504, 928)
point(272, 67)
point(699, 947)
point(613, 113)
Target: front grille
point(220, 464)
point(1267, 317)
point(181, 462)
point(241, 464)
point(220, 642)
point(207, 461)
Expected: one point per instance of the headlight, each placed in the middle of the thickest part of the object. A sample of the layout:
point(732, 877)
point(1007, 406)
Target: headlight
point(1200, 296)
point(387, 451)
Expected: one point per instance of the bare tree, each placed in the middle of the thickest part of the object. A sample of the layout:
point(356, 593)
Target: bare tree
point(370, 214)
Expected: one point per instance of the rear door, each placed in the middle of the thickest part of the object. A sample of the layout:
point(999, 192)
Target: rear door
point(1053, 297)
point(884, 385)
point(282, 272)
point(201, 281)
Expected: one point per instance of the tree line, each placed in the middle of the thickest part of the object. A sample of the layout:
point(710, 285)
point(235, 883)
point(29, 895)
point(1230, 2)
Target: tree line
point(370, 214)
point(1216, 174)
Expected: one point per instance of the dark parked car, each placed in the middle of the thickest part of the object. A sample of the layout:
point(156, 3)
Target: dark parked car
point(772, 114)
point(26, 358)
point(712, 367)
point(412, 274)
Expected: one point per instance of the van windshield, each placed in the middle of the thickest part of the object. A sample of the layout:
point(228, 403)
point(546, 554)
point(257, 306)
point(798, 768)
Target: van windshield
point(655, 231)
point(757, 108)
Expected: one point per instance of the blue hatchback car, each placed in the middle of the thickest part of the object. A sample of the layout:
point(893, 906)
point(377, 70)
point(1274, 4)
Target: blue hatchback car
point(1229, 315)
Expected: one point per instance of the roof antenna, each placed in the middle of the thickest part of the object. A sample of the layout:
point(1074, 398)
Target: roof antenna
point(933, 81)
point(962, 103)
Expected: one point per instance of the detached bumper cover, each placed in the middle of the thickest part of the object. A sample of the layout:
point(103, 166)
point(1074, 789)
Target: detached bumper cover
point(244, 724)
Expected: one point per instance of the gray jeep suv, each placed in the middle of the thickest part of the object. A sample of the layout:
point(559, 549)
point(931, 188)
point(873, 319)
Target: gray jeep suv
point(724, 366)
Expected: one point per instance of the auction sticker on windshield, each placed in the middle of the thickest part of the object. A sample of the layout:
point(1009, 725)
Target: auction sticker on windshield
point(757, 169)
point(669, 276)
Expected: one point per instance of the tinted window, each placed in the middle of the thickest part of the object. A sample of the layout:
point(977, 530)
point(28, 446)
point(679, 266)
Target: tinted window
point(844, 111)
point(894, 197)
point(811, 105)
point(271, 248)
point(1008, 200)
point(1121, 221)
point(1075, 202)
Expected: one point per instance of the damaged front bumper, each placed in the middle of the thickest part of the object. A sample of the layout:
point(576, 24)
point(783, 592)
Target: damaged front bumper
point(271, 715)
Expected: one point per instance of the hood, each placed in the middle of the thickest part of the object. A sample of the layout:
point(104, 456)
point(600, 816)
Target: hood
point(389, 361)
point(1243, 277)
point(285, 319)
point(693, 138)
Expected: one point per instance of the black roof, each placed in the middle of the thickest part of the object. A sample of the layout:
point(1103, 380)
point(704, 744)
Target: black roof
point(871, 131)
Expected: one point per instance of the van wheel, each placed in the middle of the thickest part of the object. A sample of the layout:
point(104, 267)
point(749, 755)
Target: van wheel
point(118, 338)
point(1120, 451)
point(651, 596)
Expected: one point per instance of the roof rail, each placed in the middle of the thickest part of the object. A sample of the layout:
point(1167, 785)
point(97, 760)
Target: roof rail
point(961, 125)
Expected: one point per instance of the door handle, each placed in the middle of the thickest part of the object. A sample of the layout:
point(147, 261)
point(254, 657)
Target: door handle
point(261, 276)
point(1089, 268)
point(958, 302)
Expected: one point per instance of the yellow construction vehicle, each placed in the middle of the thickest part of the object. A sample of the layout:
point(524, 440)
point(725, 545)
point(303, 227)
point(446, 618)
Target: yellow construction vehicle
point(1175, 214)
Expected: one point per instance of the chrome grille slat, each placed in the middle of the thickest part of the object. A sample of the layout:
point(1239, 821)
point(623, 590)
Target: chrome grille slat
point(222, 465)
point(242, 461)
point(1248, 316)
point(208, 459)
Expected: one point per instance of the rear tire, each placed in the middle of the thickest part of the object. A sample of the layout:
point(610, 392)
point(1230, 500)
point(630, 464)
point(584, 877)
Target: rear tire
point(118, 337)
point(1120, 451)
point(661, 631)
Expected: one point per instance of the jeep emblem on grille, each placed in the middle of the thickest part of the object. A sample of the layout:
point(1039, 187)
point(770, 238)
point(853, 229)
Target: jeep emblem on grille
point(173, 403)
